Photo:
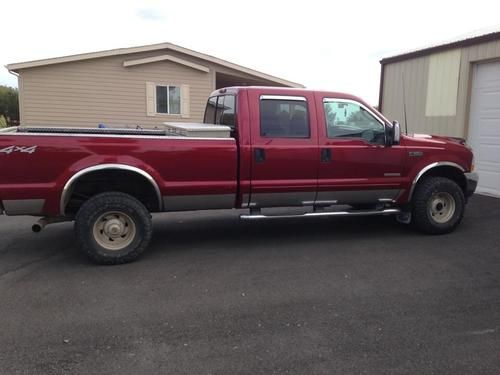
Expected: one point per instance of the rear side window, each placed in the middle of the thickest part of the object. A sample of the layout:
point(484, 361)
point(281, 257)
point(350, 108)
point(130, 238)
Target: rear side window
point(210, 110)
point(221, 110)
point(282, 117)
point(225, 110)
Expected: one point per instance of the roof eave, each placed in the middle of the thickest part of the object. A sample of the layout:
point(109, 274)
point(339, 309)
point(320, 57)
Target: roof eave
point(440, 48)
point(85, 56)
point(15, 67)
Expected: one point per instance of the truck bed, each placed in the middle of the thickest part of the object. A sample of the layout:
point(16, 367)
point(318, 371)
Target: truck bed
point(37, 164)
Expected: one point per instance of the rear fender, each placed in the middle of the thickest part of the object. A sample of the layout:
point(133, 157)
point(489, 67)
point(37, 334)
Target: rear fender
point(67, 182)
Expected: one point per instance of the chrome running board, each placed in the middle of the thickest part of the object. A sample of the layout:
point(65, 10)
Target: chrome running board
point(387, 211)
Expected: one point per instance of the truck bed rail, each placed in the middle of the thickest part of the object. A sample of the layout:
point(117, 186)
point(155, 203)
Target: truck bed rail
point(113, 131)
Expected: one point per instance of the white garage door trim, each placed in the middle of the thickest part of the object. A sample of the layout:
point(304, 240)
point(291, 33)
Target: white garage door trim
point(484, 126)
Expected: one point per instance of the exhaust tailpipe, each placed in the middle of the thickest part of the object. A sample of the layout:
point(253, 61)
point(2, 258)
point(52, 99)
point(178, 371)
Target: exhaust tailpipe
point(39, 225)
point(44, 221)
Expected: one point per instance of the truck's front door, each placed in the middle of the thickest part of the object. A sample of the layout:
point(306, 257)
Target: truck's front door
point(355, 164)
point(284, 150)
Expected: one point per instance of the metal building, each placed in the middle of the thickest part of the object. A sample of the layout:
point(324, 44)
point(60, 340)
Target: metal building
point(450, 89)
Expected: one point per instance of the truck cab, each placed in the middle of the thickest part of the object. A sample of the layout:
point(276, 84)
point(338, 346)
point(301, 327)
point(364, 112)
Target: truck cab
point(300, 147)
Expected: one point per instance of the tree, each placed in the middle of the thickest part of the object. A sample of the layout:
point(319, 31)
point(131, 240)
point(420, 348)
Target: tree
point(9, 104)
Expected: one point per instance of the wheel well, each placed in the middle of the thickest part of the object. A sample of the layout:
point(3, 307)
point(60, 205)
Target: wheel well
point(447, 171)
point(108, 180)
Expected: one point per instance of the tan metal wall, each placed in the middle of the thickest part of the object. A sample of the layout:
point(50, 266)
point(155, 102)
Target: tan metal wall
point(89, 92)
point(415, 74)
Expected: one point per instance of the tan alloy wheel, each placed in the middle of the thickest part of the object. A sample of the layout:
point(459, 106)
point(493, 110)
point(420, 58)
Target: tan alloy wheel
point(114, 231)
point(442, 207)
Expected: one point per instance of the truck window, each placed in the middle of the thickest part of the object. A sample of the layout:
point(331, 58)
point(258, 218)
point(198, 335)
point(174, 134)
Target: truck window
point(225, 110)
point(209, 117)
point(221, 110)
point(284, 118)
point(345, 119)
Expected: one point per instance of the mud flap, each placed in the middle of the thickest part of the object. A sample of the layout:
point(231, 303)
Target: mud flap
point(404, 217)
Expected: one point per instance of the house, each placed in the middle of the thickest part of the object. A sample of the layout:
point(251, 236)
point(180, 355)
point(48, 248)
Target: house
point(143, 86)
point(450, 89)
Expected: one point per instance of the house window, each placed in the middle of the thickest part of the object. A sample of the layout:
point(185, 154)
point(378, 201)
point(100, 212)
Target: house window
point(168, 100)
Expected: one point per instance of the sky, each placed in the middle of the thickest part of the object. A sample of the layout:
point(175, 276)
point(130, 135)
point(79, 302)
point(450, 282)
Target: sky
point(329, 45)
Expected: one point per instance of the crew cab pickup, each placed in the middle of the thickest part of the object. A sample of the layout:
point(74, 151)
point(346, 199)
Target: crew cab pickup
point(258, 147)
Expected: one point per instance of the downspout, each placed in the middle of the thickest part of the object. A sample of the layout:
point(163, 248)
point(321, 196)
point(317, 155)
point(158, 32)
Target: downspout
point(11, 71)
point(18, 91)
point(381, 87)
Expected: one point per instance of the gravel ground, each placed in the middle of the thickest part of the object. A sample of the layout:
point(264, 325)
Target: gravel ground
point(214, 295)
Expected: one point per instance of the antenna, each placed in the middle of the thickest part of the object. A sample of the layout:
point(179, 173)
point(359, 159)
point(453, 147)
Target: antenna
point(404, 102)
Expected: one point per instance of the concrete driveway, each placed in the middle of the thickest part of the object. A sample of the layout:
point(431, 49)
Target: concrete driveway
point(218, 296)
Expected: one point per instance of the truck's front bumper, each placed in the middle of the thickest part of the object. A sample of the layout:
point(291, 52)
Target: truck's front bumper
point(471, 178)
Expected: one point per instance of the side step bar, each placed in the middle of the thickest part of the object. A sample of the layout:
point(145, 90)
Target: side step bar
point(387, 211)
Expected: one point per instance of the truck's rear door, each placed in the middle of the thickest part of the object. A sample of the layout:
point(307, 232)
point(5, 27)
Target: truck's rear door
point(284, 149)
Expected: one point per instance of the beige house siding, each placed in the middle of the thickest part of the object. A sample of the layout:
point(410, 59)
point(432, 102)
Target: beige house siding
point(415, 74)
point(86, 93)
point(97, 90)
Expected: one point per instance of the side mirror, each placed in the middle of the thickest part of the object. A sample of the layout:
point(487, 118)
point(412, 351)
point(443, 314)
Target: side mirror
point(392, 134)
point(396, 133)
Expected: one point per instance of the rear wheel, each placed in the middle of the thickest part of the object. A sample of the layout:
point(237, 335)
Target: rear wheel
point(113, 228)
point(438, 205)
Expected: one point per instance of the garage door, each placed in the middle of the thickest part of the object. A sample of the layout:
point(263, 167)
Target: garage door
point(484, 126)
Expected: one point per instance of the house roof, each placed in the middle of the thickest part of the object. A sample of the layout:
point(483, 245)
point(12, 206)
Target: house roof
point(15, 67)
point(475, 37)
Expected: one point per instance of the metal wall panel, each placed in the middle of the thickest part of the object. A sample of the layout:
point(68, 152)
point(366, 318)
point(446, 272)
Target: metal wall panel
point(442, 83)
point(415, 74)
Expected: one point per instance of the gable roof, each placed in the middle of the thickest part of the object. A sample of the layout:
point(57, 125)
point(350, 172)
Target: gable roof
point(174, 59)
point(475, 37)
point(15, 67)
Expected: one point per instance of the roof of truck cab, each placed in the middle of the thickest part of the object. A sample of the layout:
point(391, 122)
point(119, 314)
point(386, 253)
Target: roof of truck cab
point(286, 91)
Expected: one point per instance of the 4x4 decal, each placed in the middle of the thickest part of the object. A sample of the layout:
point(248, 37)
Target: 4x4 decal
point(24, 149)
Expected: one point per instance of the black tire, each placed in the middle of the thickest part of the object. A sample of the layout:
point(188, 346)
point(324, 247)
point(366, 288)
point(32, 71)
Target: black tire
point(433, 200)
point(120, 218)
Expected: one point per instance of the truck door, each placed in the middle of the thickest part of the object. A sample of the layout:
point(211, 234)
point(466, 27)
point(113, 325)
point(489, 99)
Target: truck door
point(355, 164)
point(284, 149)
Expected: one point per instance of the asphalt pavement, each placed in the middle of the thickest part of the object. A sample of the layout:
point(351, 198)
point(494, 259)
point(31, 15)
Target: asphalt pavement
point(215, 295)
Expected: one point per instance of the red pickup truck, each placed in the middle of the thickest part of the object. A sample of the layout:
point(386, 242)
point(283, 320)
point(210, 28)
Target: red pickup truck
point(258, 147)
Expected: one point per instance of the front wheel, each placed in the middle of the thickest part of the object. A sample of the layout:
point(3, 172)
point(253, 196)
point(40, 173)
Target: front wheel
point(113, 228)
point(438, 205)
